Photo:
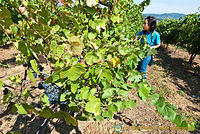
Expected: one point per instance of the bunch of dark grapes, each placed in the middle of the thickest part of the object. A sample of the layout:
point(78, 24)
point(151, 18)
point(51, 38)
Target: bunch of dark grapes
point(5, 91)
point(51, 90)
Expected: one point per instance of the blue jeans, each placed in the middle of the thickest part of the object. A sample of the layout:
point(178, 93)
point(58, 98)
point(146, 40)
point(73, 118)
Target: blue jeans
point(142, 67)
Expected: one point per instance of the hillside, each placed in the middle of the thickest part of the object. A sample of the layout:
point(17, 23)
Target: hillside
point(174, 16)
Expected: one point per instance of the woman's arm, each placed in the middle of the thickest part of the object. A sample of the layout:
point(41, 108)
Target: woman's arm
point(155, 46)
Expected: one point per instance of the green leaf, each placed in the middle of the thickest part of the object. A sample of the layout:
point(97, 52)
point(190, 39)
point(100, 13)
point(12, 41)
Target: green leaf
point(116, 83)
point(14, 29)
point(60, 50)
point(107, 93)
point(131, 104)
point(4, 13)
point(191, 127)
point(26, 93)
point(53, 78)
point(154, 98)
point(120, 105)
point(123, 93)
point(74, 88)
point(93, 91)
point(53, 47)
point(23, 48)
point(34, 67)
point(45, 99)
point(178, 120)
point(72, 106)
point(111, 110)
point(91, 58)
point(82, 118)
point(56, 28)
point(92, 24)
point(115, 18)
point(184, 124)
point(124, 50)
point(151, 52)
point(91, 36)
point(12, 78)
point(107, 74)
point(99, 118)
point(30, 74)
point(93, 106)
point(69, 119)
point(135, 77)
point(85, 92)
point(1, 83)
point(73, 73)
point(160, 104)
point(59, 64)
point(21, 109)
point(46, 113)
point(62, 97)
point(4, 65)
point(143, 93)
point(169, 113)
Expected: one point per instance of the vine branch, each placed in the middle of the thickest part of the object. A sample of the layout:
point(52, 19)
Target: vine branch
point(25, 19)
point(111, 13)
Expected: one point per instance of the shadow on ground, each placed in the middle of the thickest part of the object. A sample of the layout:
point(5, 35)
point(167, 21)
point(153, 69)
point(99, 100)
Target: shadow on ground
point(30, 125)
point(179, 68)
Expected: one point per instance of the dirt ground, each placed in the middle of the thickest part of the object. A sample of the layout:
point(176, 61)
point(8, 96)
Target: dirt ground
point(170, 74)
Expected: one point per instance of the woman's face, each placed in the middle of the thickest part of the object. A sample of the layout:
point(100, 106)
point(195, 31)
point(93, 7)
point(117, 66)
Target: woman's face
point(146, 26)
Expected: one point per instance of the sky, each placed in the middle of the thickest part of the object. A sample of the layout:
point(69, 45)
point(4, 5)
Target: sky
point(172, 6)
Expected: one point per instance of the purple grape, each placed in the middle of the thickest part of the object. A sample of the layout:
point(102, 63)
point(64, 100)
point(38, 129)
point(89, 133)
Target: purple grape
point(5, 91)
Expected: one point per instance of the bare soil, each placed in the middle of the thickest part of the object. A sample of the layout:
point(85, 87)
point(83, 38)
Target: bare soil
point(170, 74)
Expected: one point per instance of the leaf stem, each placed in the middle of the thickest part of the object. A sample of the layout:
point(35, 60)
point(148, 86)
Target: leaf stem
point(111, 13)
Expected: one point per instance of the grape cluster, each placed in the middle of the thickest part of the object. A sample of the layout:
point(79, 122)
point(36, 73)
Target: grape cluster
point(51, 90)
point(5, 91)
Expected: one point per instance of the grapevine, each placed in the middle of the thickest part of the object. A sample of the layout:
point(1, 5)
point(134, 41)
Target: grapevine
point(90, 56)
point(183, 32)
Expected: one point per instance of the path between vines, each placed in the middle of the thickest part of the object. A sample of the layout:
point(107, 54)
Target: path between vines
point(170, 74)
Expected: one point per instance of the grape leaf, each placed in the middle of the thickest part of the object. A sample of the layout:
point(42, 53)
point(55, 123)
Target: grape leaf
point(91, 58)
point(34, 67)
point(1, 83)
point(21, 109)
point(30, 74)
point(93, 106)
point(73, 73)
point(26, 93)
point(46, 113)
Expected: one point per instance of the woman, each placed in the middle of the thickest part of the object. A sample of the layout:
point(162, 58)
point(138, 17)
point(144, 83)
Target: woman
point(153, 39)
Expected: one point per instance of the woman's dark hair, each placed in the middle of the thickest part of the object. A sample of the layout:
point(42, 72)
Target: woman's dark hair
point(151, 22)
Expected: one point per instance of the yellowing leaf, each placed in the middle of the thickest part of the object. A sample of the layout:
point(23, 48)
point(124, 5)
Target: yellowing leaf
point(115, 61)
point(76, 45)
